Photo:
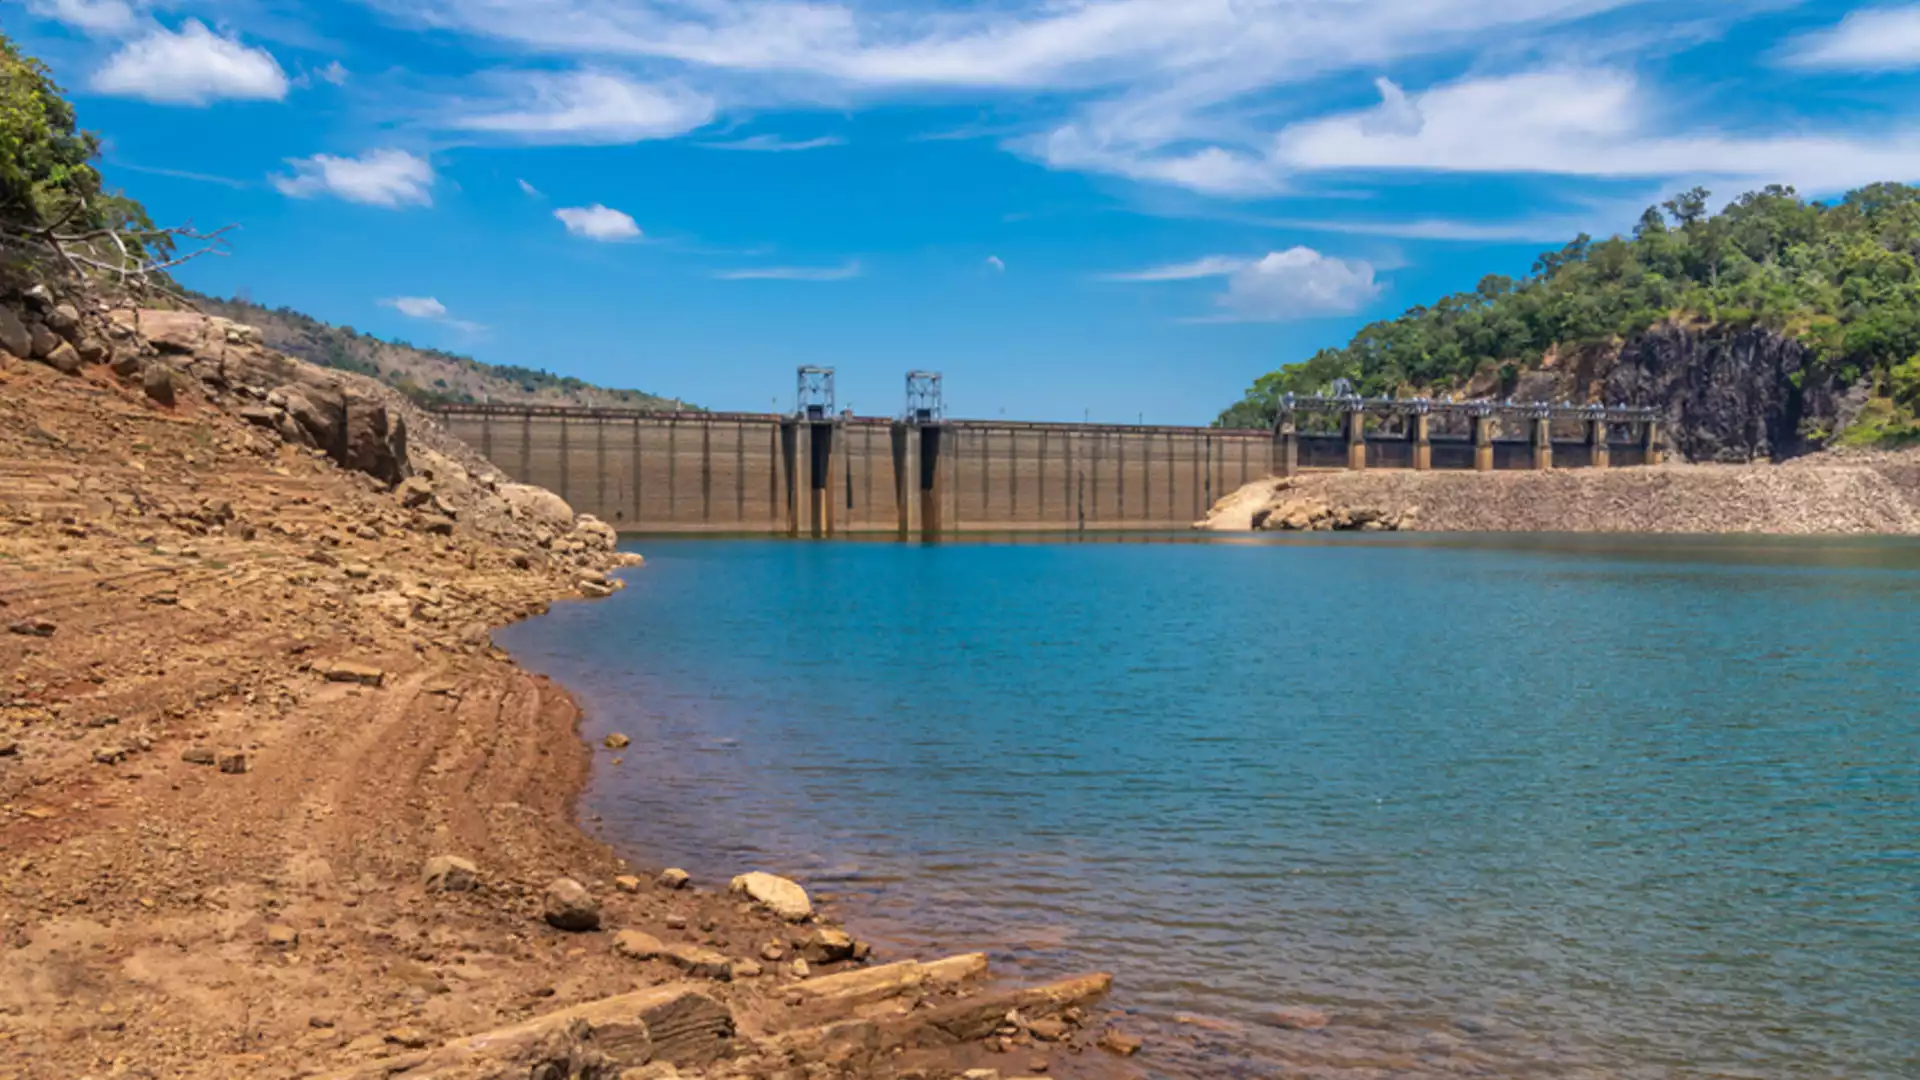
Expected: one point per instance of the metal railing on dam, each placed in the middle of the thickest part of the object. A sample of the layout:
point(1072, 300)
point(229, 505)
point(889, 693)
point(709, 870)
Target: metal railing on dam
point(818, 474)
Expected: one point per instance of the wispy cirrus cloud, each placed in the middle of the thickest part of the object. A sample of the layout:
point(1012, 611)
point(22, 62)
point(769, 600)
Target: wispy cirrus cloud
point(843, 272)
point(586, 107)
point(1871, 39)
point(774, 144)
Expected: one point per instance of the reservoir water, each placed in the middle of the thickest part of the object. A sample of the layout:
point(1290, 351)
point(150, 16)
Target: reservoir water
point(1535, 807)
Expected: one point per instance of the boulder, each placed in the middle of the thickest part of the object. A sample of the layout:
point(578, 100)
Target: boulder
point(157, 381)
point(375, 440)
point(450, 873)
point(65, 359)
point(674, 878)
point(39, 297)
point(1115, 1041)
point(13, 334)
point(778, 895)
point(568, 906)
point(627, 883)
point(415, 491)
point(93, 350)
point(538, 506)
point(33, 628)
point(596, 534)
point(827, 945)
point(617, 741)
point(126, 364)
point(64, 320)
point(44, 341)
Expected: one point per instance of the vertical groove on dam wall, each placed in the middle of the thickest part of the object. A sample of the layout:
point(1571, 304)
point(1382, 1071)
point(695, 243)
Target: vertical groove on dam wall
point(728, 472)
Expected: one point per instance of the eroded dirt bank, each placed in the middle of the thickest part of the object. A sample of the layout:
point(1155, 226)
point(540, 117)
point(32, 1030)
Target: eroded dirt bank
point(1826, 494)
point(247, 700)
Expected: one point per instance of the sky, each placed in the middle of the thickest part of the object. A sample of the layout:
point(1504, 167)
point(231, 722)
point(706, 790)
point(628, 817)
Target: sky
point(1123, 210)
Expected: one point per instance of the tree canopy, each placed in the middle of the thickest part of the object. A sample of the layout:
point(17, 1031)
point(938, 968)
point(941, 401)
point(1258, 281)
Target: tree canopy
point(1842, 277)
point(47, 178)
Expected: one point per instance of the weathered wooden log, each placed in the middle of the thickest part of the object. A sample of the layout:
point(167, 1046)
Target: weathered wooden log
point(675, 1023)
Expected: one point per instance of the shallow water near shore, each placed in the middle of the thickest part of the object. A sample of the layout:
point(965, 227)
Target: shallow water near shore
point(1516, 806)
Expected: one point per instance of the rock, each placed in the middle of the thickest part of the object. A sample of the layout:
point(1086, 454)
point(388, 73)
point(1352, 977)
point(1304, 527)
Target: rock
point(616, 741)
point(157, 381)
point(126, 365)
point(773, 952)
point(1048, 1029)
point(44, 340)
point(110, 755)
point(415, 491)
point(1299, 1018)
point(1115, 1041)
point(693, 959)
point(319, 1023)
point(597, 535)
point(801, 970)
point(198, 755)
point(674, 878)
point(376, 442)
point(593, 591)
point(65, 359)
point(93, 350)
point(234, 762)
point(450, 873)
point(409, 1038)
point(9, 748)
point(38, 297)
point(350, 672)
point(282, 936)
point(537, 506)
point(13, 334)
point(778, 895)
point(627, 883)
point(827, 945)
point(33, 628)
point(676, 922)
point(568, 906)
point(747, 969)
point(64, 320)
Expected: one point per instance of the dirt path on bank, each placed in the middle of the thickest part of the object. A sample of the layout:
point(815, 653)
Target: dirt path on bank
point(246, 695)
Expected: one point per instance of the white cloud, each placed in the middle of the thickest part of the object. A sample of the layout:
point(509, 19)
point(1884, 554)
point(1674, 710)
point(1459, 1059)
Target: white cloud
point(529, 190)
point(1298, 283)
point(793, 273)
point(590, 107)
point(390, 178)
point(335, 73)
point(103, 17)
point(431, 310)
point(1872, 39)
point(1589, 123)
point(598, 222)
point(774, 144)
point(996, 264)
point(418, 307)
point(1210, 266)
point(193, 66)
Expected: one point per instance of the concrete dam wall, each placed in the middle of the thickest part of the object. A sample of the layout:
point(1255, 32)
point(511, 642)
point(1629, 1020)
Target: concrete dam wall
point(779, 475)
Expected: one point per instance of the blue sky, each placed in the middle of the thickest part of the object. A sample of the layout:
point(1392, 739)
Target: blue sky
point(1123, 209)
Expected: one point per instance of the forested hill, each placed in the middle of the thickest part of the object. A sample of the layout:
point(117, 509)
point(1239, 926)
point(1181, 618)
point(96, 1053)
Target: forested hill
point(428, 376)
point(1836, 283)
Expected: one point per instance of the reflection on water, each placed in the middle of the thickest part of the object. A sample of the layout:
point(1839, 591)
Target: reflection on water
point(1518, 806)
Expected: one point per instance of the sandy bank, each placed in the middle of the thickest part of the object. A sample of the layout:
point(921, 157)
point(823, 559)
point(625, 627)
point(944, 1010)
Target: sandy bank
point(1820, 495)
point(249, 694)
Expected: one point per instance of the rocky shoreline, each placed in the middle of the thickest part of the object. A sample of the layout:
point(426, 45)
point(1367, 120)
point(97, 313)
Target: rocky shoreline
point(1825, 494)
point(272, 803)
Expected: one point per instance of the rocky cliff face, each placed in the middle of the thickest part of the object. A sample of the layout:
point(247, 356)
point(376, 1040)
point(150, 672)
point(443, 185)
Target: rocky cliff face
point(1728, 395)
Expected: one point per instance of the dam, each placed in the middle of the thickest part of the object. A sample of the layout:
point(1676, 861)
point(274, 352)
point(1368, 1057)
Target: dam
point(818, 473)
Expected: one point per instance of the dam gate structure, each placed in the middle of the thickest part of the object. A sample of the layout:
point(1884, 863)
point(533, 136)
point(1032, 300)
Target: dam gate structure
point(818, 473)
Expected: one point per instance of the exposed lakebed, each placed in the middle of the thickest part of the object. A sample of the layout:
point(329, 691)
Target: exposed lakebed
point(1518, 806)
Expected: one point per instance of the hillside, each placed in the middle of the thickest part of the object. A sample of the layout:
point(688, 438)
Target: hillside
point(428, 376)
point(1780, 324)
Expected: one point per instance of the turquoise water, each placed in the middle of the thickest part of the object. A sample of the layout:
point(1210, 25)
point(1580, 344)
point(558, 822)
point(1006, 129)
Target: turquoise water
point(1549, 807)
